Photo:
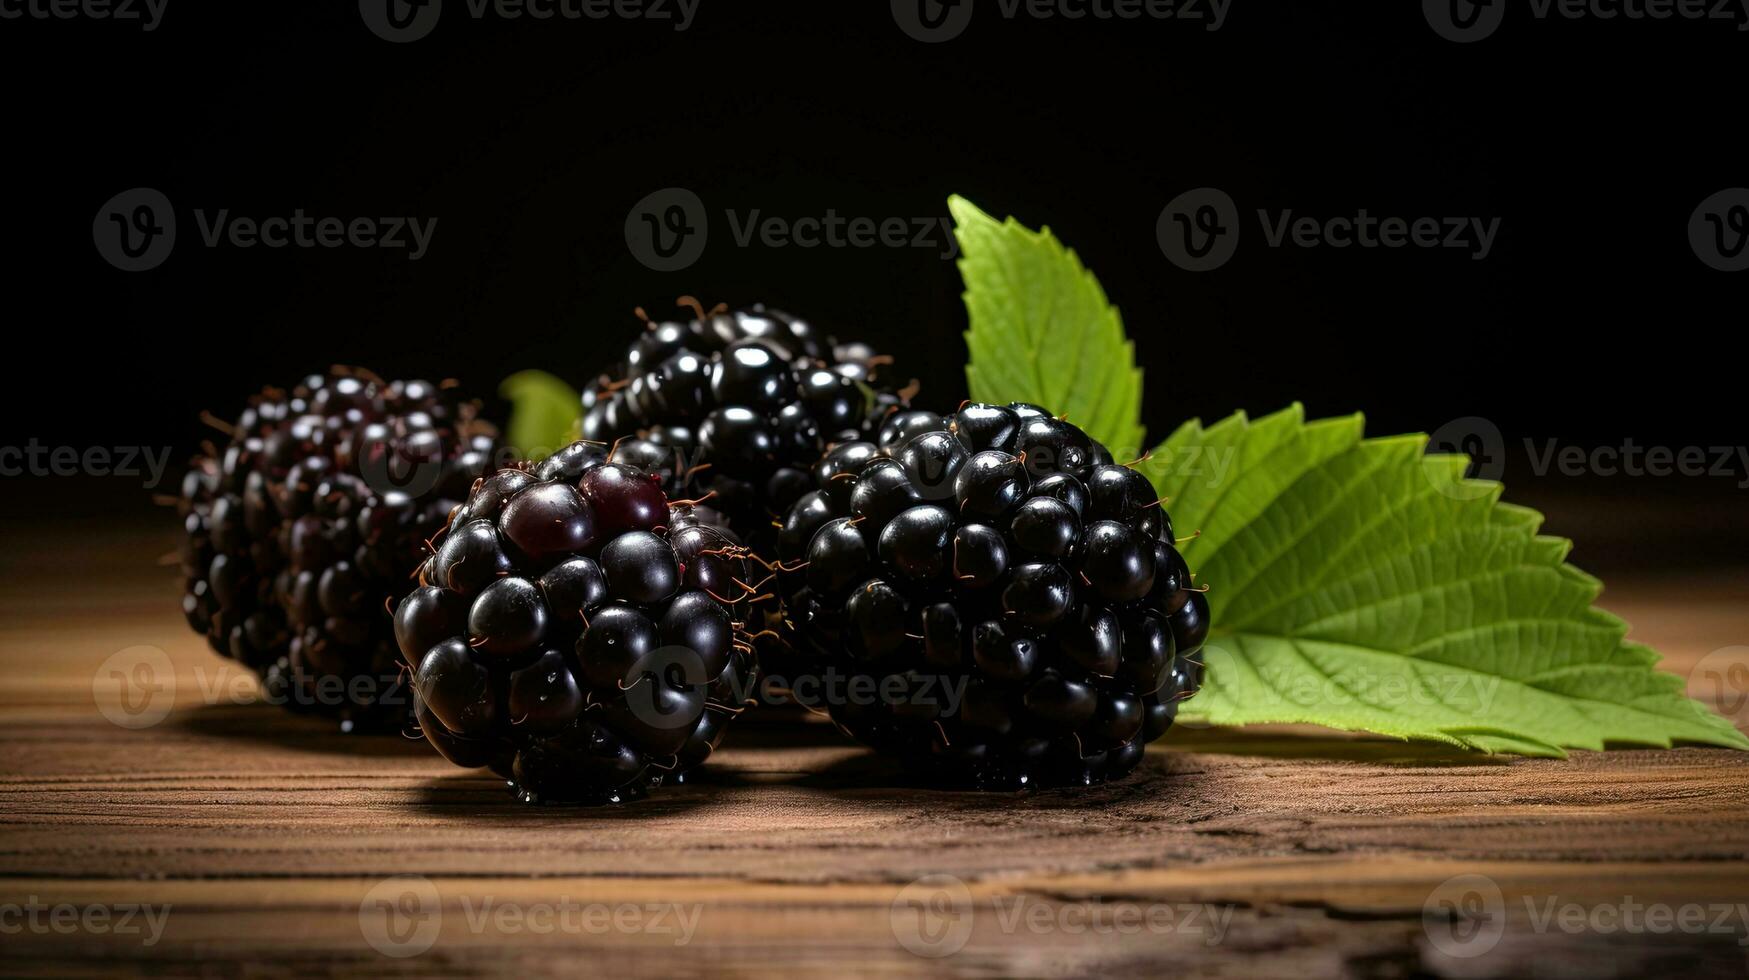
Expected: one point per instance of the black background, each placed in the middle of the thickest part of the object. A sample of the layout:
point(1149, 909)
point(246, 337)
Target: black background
point(1591, 323)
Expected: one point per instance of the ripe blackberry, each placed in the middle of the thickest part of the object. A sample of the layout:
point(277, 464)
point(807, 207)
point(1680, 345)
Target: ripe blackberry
point(577, 632)
point(736, 406)
point(297, 534)
point(998, 552)
point(739, 404)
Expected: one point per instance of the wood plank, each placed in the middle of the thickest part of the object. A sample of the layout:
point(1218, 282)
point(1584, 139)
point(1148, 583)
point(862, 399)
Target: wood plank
point(265, 834)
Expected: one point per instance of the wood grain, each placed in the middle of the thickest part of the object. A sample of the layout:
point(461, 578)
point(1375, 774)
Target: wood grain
point(265, 834)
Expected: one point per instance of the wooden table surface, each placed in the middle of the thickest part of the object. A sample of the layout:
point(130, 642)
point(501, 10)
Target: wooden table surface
point(282, 848)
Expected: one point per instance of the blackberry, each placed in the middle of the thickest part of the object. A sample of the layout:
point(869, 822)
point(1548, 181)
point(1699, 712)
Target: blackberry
point(738, 405)
point(577, 632)
point(996, 558)
point(302, 528)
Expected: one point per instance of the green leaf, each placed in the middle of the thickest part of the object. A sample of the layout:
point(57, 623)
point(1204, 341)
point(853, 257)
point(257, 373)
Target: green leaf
point(1361, 584)
point(1042, 330)
point(544, 413)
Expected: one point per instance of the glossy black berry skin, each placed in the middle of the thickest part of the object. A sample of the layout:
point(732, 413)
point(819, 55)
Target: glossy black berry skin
point(739, 406)
point(997, 552)
point(739, 403)
point(580, 636)
point(299, 533)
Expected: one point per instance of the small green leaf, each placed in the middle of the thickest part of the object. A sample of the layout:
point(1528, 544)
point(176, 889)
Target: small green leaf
point(1042, 330)
point(1361, 584)
point(544, 413)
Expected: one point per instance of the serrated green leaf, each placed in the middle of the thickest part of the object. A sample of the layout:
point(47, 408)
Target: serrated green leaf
point(1360, 584)
point(544, 412)
point(1042, 330)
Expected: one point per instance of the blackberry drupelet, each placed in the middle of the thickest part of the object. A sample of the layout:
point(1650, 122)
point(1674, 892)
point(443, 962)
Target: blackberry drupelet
point(739, 404)
point(1001, 553)
point(577, 632)
point(301, 530)
point(736, 406)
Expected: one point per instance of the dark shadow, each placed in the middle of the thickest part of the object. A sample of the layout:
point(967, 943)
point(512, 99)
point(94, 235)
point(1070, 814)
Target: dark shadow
point(784, 728)
point(482, 796)
point(268, 724)
point(868, 778)
point(1333, 747)
point(863, 771)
